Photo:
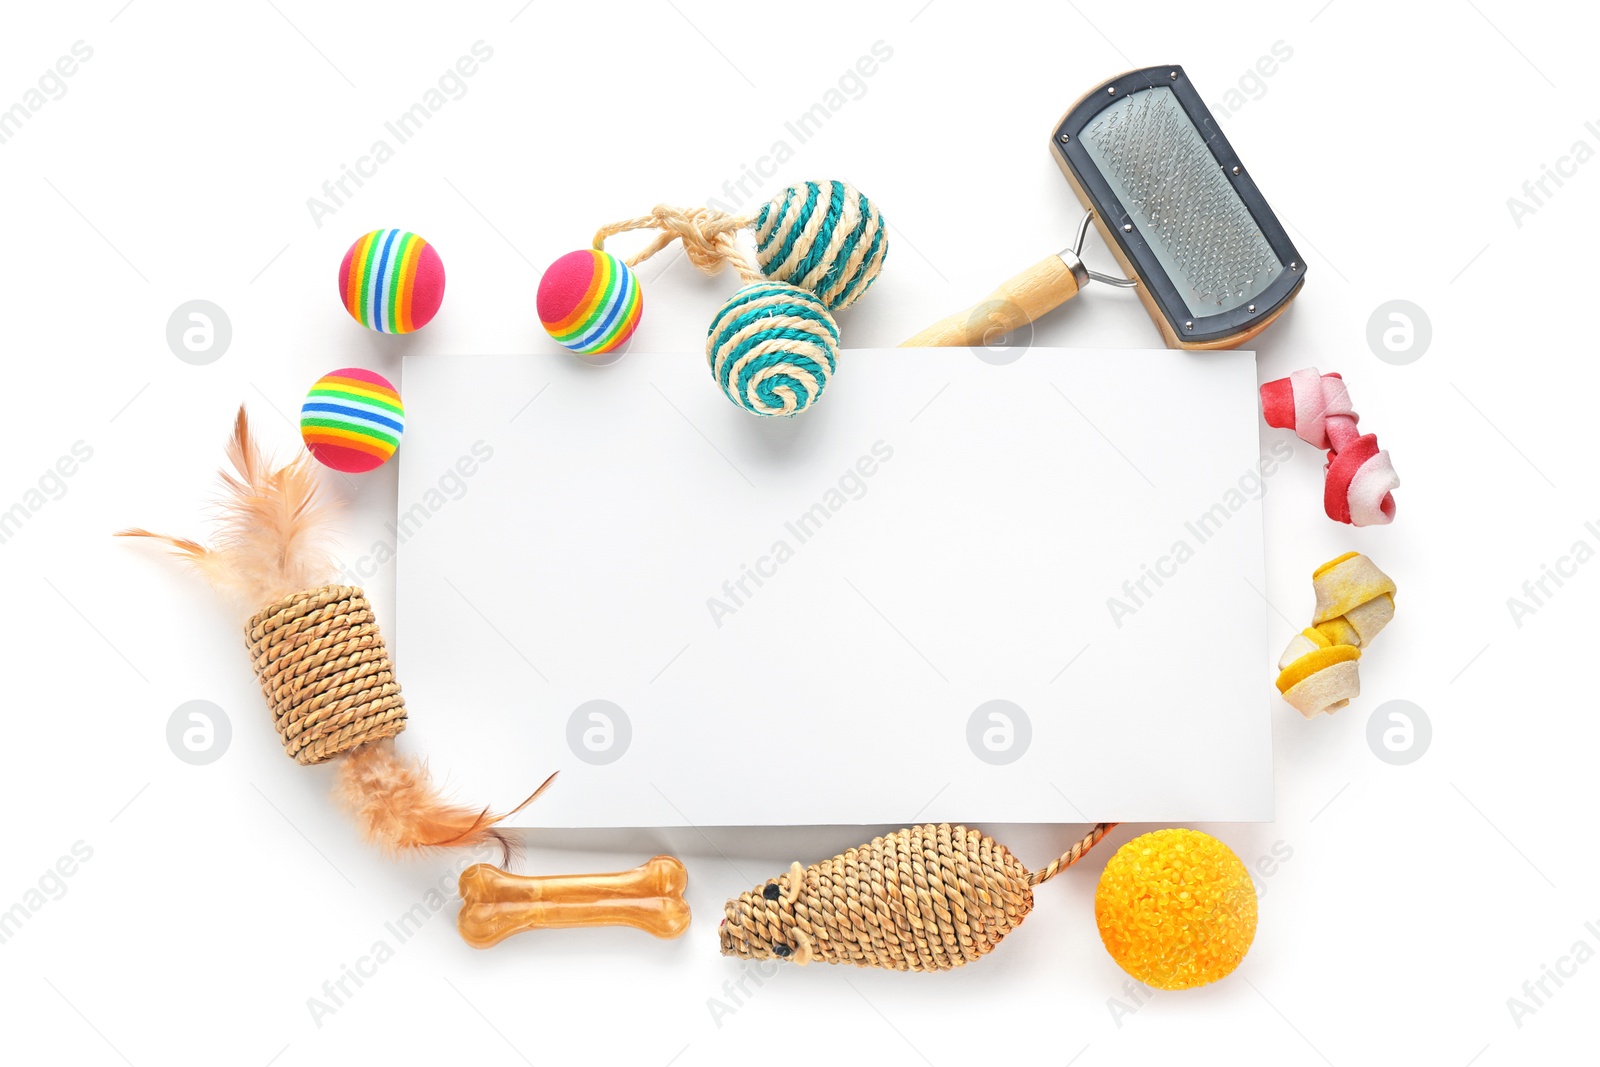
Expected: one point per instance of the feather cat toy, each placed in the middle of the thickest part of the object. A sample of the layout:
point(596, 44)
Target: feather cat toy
point(317, 652)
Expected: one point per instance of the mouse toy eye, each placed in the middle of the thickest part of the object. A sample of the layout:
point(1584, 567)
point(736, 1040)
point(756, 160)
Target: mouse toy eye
point(782, 951)
point(772, 892)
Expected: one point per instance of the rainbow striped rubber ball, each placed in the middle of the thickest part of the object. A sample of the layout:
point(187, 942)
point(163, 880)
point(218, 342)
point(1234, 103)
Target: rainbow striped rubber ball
point(352, 420)
point(590, 302)
point(392, 281)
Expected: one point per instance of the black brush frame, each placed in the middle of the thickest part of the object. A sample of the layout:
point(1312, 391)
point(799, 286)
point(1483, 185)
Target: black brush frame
point(1189, 329)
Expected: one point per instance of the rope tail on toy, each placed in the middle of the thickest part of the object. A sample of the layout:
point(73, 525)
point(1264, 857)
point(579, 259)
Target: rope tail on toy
point(1071, 855)
point(927, 898)
point(317, 652)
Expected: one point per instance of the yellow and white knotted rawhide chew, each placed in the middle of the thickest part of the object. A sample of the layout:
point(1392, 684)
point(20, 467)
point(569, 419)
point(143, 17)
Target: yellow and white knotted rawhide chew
point(1355, 600)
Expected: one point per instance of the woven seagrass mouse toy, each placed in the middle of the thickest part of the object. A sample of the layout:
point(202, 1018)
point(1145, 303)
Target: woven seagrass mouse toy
point(927, 898)
point(1176, 908)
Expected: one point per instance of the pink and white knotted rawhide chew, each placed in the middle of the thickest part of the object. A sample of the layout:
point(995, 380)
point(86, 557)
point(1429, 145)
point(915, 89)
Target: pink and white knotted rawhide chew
point(1360, 477)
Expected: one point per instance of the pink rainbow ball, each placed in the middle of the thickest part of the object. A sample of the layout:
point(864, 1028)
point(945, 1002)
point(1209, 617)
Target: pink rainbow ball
point(352, 420)
point(391, 281)
point(590, 301)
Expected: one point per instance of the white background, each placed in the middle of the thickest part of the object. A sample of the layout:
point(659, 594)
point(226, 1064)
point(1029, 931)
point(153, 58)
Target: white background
point(1415, 900)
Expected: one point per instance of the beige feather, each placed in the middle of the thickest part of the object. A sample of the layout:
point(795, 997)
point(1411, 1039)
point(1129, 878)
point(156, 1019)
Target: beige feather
point(272, 527)
point(399, 808)
point(271, 540)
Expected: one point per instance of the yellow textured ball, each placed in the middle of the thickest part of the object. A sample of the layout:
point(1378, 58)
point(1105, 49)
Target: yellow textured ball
point(1176, 909)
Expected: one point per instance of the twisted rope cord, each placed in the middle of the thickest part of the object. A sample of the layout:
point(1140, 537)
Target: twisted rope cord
point(325, 672)
point(1071, 855)
point(706, 233)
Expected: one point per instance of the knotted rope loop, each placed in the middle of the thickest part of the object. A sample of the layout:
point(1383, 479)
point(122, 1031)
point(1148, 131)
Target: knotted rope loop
point(707, 236)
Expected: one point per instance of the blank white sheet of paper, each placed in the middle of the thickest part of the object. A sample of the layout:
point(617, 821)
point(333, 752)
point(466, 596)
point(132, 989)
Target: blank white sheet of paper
point(955, 589)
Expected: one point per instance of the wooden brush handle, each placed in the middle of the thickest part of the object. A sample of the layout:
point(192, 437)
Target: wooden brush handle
point(1043, 287)
point(496, 905)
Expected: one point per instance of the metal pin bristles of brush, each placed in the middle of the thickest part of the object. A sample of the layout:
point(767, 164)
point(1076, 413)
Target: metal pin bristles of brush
point(1041, 288)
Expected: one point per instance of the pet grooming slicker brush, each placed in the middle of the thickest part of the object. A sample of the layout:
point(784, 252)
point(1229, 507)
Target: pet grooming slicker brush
point(1176, 206)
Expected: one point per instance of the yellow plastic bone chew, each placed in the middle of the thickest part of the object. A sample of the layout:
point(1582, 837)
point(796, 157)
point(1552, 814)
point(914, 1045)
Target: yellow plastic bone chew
point(496, 905)
point(1355, 600)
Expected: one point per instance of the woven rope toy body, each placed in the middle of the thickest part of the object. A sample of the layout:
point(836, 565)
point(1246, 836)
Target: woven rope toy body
point(926, 898)
point(1360, 476)
point(1355, 600)
point(317, 653)
point(325, 672)
point(774, 347)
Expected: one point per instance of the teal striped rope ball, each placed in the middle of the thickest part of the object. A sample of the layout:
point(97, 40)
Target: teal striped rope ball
point(822, 236)
point(773, 348)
